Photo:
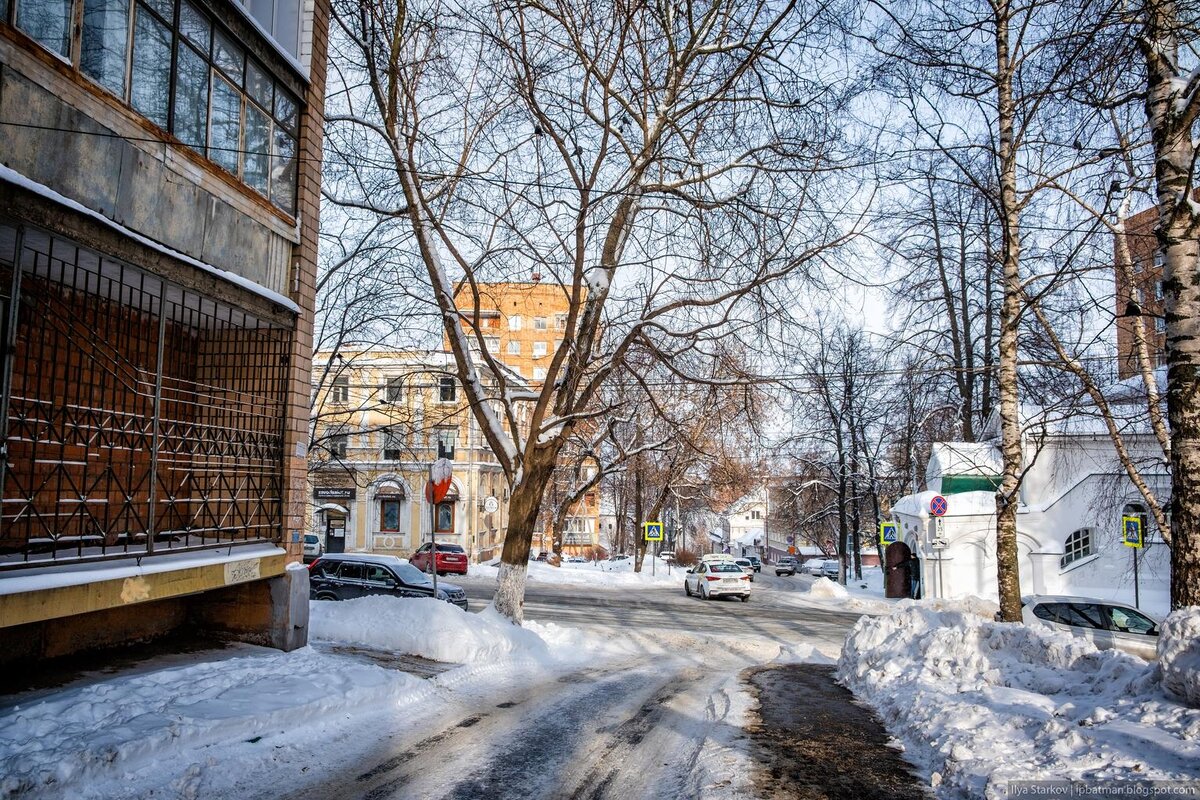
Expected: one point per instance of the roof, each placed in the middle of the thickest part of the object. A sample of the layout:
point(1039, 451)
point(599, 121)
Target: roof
point(964, 458)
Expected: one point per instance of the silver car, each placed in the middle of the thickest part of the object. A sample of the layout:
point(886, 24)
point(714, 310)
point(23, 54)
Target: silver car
point(830, 568)
point(1108, 625)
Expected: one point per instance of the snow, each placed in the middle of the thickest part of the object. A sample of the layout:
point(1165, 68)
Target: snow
point(825, 589)
point(70, 740)
point(56, 576)
point(16, 178)
point(1179, 655)
point(601, 573)
point(976, 703)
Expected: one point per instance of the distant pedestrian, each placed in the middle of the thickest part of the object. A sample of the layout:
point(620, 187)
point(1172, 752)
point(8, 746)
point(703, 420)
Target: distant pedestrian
point(914, 576)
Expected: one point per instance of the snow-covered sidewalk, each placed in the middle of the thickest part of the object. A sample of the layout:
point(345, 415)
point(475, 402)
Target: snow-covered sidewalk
point(977, 704)
point(106, 737)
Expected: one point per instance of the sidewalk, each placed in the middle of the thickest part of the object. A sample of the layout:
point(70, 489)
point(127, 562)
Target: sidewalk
point(813, 742)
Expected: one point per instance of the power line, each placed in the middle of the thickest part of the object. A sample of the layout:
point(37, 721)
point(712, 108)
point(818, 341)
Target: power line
point(508, 182)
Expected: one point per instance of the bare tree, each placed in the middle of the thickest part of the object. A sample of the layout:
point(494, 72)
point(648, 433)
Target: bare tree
point(658, 162)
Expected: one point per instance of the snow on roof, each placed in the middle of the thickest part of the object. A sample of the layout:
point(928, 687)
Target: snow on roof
point(963, 458)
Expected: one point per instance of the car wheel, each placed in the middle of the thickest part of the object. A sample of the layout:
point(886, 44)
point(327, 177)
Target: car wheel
point(704, 595)
point(326, 596)
point(687, 589)
point(745, 598)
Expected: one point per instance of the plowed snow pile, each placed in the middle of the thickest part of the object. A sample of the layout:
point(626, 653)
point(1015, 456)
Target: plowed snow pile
point(977, 703)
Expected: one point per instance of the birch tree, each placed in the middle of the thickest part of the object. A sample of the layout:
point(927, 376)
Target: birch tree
point(1168, 39)
point(658, 162)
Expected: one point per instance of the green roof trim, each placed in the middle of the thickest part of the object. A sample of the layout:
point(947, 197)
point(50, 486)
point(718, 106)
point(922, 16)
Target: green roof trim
point(957, 484)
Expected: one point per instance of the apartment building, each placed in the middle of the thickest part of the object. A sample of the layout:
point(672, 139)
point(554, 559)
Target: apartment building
point(1143, 296)
point(159, 191)
point(523, 324)
point(380, 419)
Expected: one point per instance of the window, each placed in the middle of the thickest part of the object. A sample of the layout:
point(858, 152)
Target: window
point(444, 518)
point(539, 349)
point(560, 322)
point(1077, 546)
point(492, 343)
point(351, 571)
point(447, 389)
point(379, 576)
point(1126, 620)
point(539, 373)
point(338, 445)
point(1158, 290)
point(514, 348)
point(389, 514)
point(394, 389)
point(1160, 325)
point(755, 514)
point(48, 22)
point(446, 439)
point(539, 323)
point(104, 42)
point(187, 76)
point(514, 322)
point(393, 447)
point(340, 391)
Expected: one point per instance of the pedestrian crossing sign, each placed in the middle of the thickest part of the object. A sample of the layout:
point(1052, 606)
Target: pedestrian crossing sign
point(653, 531)
point(1131, 531)
point(888, 534)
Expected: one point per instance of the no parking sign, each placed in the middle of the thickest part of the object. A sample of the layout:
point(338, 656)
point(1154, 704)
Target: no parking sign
point(938, 506)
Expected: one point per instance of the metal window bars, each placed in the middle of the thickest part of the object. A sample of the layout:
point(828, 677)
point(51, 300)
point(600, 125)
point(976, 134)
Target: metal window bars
point(138, 417)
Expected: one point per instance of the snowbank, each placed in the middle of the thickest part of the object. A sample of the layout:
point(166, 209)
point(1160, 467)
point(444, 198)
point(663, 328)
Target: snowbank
point(603, 573)
point(977, 703)
point(78, 733)
point(825, 589)
point(1179, 655)
point(421, 627)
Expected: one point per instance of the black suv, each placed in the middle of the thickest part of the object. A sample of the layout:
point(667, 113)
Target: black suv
point(344, 576)
point(756, 563)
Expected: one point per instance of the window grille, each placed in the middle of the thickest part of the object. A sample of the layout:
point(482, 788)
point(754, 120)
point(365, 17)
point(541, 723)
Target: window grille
point(139, 417)
point(1077, 546)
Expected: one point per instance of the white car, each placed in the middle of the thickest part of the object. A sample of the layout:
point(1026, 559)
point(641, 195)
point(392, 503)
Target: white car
point(717, 579)
point(1106, 624)
point(747, 566)
point(313, 549)
point(711, 558)
point(812, 566)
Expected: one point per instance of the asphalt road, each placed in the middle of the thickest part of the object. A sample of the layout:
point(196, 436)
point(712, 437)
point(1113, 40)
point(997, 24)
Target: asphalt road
point(666, 724)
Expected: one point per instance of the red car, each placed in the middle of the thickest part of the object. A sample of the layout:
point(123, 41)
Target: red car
point(450, 558)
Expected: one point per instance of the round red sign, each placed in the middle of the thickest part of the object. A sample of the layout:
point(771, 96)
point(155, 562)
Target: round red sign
point(938, 506)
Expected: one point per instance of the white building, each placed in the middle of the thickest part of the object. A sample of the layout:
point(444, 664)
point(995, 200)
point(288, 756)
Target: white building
point(747, 518)
point(1071, 502)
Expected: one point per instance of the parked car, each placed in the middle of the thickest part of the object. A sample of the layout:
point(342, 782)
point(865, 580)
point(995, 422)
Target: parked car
point(576, 560)
point(755, 562)
point(746, 566)
point(313, 549)
point(785, 566)
point(450, 558)
point(717, 579)
point(1106, 624)
point(619, 557)
point(812, 566)
point(344, 576)
point(712, 558)
point(542, 556)
point(830, 568)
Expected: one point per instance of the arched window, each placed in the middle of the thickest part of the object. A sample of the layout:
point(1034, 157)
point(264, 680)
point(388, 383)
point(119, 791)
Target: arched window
point(1077, 546)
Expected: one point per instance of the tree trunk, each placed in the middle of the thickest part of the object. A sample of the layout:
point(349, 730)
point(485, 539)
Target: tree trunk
point(639, 541)
point(1171, 110)
point(1008, 571)
point(523, 508)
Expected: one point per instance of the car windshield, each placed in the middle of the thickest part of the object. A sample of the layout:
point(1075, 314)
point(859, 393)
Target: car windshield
point(411, 575)
point(725, 568)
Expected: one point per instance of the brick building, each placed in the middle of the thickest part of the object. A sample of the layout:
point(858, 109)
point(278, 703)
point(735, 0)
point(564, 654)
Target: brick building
point(523, 324)
point(1145, 292)
point(159, 190)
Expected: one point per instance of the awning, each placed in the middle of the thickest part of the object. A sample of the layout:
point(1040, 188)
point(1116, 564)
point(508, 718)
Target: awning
point(333, 507)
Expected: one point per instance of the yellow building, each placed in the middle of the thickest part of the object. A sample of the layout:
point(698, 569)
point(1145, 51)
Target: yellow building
point(380, 419)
